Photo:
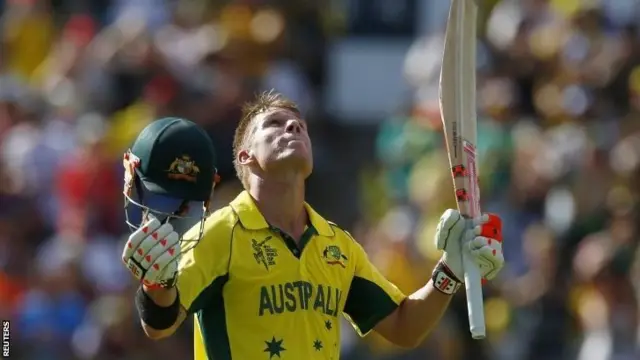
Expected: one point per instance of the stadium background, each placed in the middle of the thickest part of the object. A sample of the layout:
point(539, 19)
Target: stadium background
point(559, 98)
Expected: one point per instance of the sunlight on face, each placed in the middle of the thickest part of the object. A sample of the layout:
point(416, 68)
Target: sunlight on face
point(280, 141)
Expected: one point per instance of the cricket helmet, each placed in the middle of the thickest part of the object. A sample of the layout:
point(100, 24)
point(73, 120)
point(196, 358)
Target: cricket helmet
point(170, 173)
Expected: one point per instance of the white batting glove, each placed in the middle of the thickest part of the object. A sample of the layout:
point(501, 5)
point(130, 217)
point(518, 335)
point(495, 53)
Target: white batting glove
point(152, 253)
point(484, 241)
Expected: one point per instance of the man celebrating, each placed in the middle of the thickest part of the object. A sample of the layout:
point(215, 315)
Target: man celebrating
point(267, 276)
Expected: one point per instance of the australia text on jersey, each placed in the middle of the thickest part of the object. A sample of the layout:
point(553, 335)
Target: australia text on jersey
point(299, 296)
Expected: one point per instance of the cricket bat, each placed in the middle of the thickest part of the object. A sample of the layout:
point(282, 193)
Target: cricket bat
point(458, 108)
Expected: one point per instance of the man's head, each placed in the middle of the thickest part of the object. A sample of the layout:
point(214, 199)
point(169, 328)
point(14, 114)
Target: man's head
point(271, 138)
point(169, 173)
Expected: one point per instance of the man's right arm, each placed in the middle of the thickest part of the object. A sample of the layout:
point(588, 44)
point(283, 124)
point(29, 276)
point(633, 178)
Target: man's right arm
point(163, 310)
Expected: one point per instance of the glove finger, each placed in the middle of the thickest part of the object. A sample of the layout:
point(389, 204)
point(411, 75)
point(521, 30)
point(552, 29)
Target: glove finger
point(165, 276)
point(169, 243)
point(150, 241)
point(169, 274)
point(485, 265)
point(481, 241)
point(491, 267)
point(490, 255)
point(137, 236)
point(491, 228)
point(490, 272)
point(157, 269)
point(480, 220)
point(450, 222)
point(481, 246)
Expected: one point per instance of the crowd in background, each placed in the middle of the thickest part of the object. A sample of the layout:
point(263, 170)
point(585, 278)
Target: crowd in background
point(559, 142)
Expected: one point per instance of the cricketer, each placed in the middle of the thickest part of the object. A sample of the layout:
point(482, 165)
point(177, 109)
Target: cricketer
point(267, 276)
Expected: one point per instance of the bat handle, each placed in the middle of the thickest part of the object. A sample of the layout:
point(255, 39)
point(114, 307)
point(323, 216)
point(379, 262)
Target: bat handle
point(475, 302)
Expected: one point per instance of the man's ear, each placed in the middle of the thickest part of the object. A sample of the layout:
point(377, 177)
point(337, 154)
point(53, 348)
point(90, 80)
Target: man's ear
point(244, 157)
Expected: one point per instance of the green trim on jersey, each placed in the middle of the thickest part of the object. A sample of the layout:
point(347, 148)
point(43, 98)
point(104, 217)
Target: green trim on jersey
point(212, 320)
point(296, 249)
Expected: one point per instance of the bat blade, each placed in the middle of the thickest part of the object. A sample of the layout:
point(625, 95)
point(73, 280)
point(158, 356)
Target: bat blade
point(458, 108)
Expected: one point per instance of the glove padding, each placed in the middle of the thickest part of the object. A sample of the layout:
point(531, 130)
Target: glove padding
point(483, 240)
point(152, 253)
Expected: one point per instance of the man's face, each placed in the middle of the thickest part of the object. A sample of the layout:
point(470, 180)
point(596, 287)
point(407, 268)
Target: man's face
point(278, 140)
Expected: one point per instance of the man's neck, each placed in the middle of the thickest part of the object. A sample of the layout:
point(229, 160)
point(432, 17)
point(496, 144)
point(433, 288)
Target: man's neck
point(281, 202)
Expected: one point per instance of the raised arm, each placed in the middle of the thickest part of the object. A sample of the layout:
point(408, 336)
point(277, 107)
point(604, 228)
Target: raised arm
point(175, 276)
point(373, 303)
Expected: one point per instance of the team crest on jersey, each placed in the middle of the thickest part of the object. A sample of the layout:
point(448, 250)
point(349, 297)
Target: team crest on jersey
point(264, 253)
point(334, 256)
point(183, 168)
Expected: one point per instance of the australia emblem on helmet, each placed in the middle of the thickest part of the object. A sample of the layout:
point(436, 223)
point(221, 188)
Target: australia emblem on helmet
point(183, 168)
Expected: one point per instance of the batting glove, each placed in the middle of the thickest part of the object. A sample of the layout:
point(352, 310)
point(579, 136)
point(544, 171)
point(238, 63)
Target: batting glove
point(152, 253)
point(483, 241)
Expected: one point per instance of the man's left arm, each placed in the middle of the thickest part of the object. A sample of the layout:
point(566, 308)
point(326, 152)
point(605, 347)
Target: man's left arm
point(413, 320)
point(415, 316)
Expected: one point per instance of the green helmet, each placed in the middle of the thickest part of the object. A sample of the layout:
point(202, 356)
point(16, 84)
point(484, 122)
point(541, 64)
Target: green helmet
point(173, 158)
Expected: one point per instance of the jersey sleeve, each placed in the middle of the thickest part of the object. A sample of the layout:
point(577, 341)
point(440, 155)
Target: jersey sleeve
point(203, 267)
point(371, 296)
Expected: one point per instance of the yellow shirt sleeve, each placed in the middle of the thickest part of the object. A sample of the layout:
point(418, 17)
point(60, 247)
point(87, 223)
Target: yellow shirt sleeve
point(203, 267)
point(371, 296)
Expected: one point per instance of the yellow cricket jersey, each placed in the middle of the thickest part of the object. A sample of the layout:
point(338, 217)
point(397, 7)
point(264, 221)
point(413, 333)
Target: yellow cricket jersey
point(256, 295)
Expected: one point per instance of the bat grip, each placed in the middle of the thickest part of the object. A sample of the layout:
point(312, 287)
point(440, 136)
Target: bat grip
point(475, 301)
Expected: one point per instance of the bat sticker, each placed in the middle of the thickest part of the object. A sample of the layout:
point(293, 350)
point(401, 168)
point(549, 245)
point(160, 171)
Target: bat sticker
point(459, 171)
